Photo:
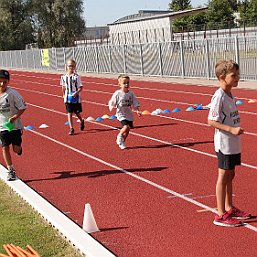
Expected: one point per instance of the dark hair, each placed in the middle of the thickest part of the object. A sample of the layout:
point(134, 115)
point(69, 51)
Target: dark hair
point(4, 74)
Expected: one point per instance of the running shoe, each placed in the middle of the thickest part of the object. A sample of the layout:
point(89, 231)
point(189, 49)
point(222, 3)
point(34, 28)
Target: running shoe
point(122, 146)
point(71, 132)
point(226, 220)
point(119, 139)
point(11, 175)
point(238, 214)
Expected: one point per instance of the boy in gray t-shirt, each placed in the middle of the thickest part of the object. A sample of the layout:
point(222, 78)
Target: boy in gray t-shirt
point(12, 107)
point(224, 117)
point(124, 99)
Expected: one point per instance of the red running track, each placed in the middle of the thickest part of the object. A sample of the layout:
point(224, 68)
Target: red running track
point(154, 199)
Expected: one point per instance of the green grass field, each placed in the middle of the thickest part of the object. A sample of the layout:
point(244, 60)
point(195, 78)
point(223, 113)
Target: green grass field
point(21, 226)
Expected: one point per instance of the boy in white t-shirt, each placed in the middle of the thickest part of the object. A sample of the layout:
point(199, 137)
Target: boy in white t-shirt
point(124, 99)
point(12, 107)
point(224, 117)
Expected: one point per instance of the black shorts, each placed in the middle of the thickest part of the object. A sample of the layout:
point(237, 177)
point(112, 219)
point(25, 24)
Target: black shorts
point(13, 137)
point(73, 107)
point(228, 161)
point(127, 122)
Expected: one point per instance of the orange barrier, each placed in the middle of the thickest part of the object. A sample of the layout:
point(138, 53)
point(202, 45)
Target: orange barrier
point(16, 251)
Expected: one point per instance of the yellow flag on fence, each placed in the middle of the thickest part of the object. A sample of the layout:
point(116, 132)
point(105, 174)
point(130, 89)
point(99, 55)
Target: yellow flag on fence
point(45, 57)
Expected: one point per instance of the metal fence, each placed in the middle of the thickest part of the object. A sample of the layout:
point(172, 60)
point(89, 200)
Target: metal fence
point(184, 58)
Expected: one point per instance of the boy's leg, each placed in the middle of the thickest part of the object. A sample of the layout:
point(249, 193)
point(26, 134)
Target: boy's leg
point(8, 160)
point(229, 190)
point(82, 121)
point(125, 131)
point(7, 156)
point(70, 120)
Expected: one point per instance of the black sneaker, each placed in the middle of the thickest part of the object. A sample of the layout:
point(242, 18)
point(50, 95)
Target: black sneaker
point(71, 132)
point(11, 175)
point(82, 125)
point(20, 152)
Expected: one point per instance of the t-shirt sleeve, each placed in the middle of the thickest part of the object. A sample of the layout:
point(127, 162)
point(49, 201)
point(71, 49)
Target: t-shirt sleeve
point(19, 102)
point(79, 82)
point(135, 103)
point(215, 110)
point(112, 102)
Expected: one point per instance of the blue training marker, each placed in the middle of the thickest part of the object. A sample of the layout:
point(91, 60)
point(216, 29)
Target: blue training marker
point(166, 111)
point(29, 127)
point(189, 109)
point(176, 110)
point(112, 117)
point(66, 123)
point(239, 102)
point(199, 107)
point(99, 119)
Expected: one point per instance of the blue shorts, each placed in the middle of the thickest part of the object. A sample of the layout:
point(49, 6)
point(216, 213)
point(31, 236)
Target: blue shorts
point(228, 161)
point(127, 122)
point(13, 137)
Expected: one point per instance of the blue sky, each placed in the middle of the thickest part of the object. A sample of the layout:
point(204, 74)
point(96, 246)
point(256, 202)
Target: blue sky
point(103, 12)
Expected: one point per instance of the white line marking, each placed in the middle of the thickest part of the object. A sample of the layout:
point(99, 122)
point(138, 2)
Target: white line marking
point(203, 206)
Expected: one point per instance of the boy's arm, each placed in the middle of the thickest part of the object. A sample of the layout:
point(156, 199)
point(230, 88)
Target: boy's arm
point(233, 130)
point(112, 102)
point(17, 115)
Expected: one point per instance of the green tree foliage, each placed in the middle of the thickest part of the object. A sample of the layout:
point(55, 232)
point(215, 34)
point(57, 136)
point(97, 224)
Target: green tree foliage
point(248, 11)
point(16, 26)
point(58, 22)
point(180, 5)
point(220, 12)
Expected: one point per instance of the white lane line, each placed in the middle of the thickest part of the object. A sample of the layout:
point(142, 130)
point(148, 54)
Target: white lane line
point(149, 182)
point(147, 137)
point(162, 116)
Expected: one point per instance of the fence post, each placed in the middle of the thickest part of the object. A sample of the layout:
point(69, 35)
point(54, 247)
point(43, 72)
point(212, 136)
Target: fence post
point(124, 59)
point(110, 58)
point(160, 58)
point(141, 60)
point(207, 58)
point(182, 59)
point(237, 51)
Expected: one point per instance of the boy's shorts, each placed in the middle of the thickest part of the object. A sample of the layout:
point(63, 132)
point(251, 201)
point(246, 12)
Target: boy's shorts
point(73, 107)
point(228, 161)
point(127, 122)
point(13, 137)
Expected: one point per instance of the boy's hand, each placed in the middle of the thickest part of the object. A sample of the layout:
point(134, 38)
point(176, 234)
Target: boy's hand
point(237, 131)
point(139, 113)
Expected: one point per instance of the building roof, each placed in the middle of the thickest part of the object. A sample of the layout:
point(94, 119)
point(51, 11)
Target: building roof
point(151, 14)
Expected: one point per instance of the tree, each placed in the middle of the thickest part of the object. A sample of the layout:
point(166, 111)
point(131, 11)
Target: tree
point(248, 11)
point(220, 14)
point(58, 22)
point(16, 26)
point(180, 5)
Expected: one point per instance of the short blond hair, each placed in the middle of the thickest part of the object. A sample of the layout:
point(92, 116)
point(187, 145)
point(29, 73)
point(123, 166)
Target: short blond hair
point(123, 76)
point(224, 67)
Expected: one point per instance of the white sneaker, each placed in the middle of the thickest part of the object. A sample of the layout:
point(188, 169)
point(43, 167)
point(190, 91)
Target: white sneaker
point(122, 146)
point(120, 139)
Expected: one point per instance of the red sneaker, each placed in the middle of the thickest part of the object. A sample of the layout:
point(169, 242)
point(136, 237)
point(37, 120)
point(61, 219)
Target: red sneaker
point(226, 220)
point(238, 214)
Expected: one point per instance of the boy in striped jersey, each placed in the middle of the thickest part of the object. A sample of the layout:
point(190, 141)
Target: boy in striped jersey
point(71, 88)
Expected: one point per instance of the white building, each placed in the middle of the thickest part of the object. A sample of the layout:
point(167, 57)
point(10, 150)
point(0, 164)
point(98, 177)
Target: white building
point(146, 26)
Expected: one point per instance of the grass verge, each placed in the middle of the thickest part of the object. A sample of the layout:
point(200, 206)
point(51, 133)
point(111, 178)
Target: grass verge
point(21, 226)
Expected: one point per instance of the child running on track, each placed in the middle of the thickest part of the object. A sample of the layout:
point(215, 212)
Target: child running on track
point(123, 99)
point(12, 106)
point(224, 117)
point(71, 88)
